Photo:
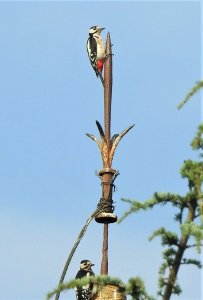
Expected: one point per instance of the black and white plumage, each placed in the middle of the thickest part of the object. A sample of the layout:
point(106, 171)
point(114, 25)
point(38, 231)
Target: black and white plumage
point(85, 292)
point(96, 50)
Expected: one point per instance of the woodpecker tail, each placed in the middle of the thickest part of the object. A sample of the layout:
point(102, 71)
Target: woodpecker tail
point(102, 79)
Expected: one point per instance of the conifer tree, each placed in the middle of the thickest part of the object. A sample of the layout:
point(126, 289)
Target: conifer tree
point(190, 227)
point(189, 216)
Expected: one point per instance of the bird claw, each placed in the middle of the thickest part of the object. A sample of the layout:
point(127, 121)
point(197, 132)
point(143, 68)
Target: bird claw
point(108, 54)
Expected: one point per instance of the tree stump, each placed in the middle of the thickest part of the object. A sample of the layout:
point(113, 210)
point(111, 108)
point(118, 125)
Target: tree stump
point(110, 292)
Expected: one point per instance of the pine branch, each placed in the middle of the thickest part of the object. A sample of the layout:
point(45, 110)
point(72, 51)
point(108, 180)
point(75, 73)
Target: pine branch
point(172, 286)
point(197, 143)
point(167, 237)
point(173, 258)
point(135, 286)
point(197, 216)
point(99, 280)
point(162, 271)
point(136, 289)
point(189, 261)
point(193, 246)
point(193, 171)
point(179, 216)
point(192, 229)
point(177, 289)
point(174, 199)
point(135, 206)
point(193, 90)
point(157, 199)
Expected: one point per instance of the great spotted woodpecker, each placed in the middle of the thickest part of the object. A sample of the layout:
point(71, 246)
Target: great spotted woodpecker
point(96, 50)
point(85, 292)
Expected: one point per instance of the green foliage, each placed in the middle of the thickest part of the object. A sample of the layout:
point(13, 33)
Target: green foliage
point(189, 261)
point(193, 90)
point(189, 207)
point(174, 199)
point(193, 171)
point(167, 237)
point(197, 143)
point(157, 199)
point(135, 207)
point(162, 271)
point(163, 284)
point(134, 288)
point(195, 230)
point(177, 289)
point(179, 216)
point(99, 280)
point(171, 240)
point(164, 281)
point(168, 255)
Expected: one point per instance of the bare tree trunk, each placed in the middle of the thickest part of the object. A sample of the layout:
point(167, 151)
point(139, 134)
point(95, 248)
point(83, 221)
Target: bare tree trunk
point(178, 258)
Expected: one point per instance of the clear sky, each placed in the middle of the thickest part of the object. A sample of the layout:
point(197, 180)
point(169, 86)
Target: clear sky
point(50, 97)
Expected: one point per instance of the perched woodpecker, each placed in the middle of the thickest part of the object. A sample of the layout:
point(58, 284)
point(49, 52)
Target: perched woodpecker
point(96, 50)
point(85, 292)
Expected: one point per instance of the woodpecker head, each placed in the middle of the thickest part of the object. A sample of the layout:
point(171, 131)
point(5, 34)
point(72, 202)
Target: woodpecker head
point(86, 265)
point(95, 30)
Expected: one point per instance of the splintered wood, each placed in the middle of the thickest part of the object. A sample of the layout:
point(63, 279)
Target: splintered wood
point(109, 292)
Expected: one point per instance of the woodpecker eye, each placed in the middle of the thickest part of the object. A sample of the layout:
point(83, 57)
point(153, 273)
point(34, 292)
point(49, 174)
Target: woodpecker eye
point(94, 27)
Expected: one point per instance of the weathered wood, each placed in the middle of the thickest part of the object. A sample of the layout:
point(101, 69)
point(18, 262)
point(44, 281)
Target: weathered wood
point(106, 177)
point(110, 292)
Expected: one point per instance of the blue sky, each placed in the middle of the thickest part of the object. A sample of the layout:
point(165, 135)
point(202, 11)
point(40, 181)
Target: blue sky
point(49, 99)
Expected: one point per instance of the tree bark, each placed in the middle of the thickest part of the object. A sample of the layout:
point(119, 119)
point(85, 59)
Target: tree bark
point(178, 258)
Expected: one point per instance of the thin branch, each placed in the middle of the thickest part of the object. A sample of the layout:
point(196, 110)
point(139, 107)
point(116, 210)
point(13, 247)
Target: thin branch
point(194, 89)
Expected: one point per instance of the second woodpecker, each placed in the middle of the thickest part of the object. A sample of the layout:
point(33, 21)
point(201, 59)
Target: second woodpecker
point(96, 50)
point(85, 292)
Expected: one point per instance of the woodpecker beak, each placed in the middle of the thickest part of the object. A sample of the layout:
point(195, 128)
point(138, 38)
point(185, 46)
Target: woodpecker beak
point(91, 264)
point(100, 29)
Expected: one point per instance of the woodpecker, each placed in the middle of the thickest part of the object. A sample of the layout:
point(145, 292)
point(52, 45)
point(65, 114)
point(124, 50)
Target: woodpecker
point(85, 292)
point(96, 50)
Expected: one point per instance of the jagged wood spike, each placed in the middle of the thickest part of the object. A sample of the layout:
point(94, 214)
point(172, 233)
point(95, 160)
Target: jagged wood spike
point(125, 131)
point(117, 140)
point(101, 131)
point(113, 138)
point(91, 136)
point(95, 139)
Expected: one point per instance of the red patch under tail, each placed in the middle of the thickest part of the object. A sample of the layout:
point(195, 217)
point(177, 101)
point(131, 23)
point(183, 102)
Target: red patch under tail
point(100, 64)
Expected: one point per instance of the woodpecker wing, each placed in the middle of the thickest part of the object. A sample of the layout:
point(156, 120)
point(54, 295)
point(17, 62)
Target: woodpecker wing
point(85, 292)
point(92, 53)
